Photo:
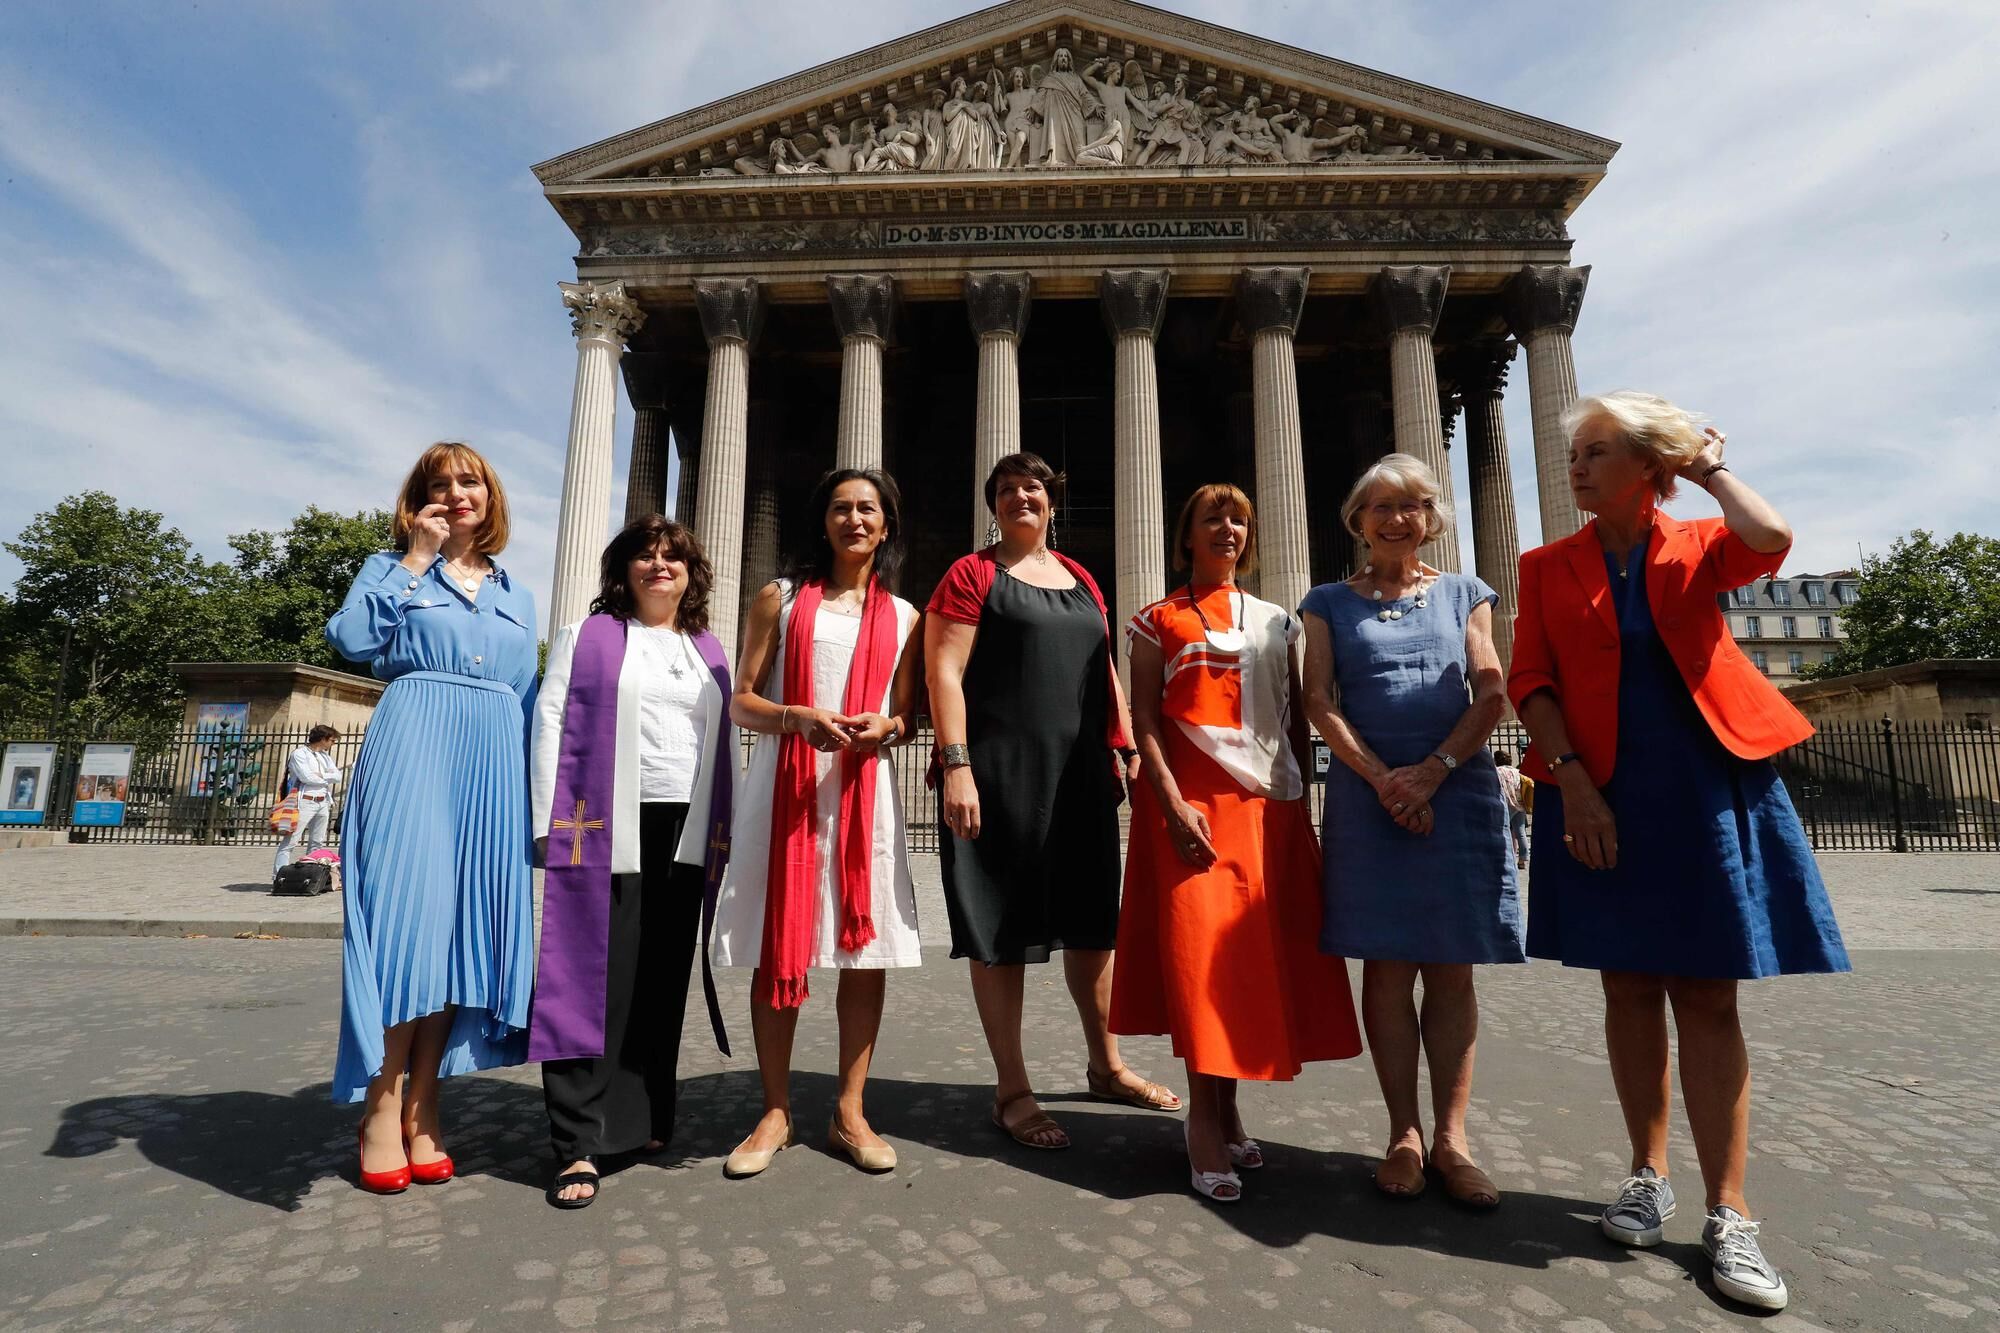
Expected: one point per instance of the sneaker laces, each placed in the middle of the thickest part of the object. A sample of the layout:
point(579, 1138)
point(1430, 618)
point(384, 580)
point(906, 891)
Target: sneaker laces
point(1736, 1245)
point(1640, 1194)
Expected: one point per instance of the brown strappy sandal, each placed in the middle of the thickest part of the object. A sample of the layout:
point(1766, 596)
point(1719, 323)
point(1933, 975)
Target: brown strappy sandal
point(1401, 1174)
point(1024, 1133)
point(1147, 1097)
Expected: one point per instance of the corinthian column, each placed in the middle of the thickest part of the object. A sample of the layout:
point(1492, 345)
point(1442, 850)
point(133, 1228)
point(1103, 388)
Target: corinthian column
point(760, 509)
point(646, 475)
point(998, 305)
point(1133, 301)
point(1408, 299)
point(1542, 303)
point(602, 317)
point(1269, 302)
point(863, 309)
point(731, 310)
point(1496, 546)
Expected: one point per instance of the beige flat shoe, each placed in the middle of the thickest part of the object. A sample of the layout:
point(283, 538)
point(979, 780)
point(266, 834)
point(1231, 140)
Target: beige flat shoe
point(878, 1157)
point(750, 1162)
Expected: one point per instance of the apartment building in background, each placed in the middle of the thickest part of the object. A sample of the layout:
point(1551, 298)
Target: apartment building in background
point(1791, 622)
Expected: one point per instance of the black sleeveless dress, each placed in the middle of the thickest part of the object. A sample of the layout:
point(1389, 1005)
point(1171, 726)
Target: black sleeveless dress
point(1043, 873)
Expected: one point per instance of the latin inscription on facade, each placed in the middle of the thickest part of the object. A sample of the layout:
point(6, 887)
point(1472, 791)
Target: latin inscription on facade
point(1170, 230)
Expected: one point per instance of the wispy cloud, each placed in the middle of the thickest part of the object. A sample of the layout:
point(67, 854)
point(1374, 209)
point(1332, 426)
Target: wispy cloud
point(484, 78)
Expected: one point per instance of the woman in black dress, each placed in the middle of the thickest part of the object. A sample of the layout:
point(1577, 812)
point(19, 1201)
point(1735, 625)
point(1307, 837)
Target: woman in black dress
point(1032, 739)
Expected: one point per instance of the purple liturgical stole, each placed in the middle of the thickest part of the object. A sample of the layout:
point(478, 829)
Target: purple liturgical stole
point(567, 1021)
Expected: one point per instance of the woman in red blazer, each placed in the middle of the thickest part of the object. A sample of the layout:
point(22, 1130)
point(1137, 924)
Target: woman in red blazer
point(1667, 855)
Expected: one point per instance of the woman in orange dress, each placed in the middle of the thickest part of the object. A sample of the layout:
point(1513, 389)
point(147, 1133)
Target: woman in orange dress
point(1218, 935)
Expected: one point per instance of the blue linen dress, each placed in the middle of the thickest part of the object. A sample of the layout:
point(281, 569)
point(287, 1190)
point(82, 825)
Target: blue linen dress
point(435, 842)
point(1445, 897)
point(1714, 877)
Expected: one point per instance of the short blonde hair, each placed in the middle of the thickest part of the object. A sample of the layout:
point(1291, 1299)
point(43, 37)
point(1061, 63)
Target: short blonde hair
point(1405, 474)
point(447, 456)
point(1651, 427)
point(1229, 496)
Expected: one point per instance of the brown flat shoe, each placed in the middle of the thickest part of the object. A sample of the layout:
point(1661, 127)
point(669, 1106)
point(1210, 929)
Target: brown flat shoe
point(1025, 1132)
point(1147, 1097)
point(1401, 1174)
point(1468, 1187)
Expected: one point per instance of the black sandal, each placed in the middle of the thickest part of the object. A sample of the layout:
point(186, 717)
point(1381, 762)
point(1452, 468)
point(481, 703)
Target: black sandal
point(593, 1178)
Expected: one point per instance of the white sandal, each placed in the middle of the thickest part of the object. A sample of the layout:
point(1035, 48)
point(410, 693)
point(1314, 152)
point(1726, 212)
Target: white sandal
point(1208, 1183)
point(1248, 1154)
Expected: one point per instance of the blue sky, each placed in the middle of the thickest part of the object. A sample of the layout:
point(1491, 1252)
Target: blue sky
point(253, 257)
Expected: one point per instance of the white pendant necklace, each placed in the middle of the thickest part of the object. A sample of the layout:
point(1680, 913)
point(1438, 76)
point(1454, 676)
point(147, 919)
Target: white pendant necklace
point(1228, 640)
point(1424, 581)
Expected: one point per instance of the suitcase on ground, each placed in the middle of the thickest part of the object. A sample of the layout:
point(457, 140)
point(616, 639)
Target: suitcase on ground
point(303, 879)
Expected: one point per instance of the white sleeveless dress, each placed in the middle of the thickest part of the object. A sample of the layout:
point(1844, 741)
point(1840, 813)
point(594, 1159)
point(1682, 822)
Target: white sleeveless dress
point(737, 939)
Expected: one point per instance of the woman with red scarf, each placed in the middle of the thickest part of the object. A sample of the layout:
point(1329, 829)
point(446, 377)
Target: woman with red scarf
point(819, 872)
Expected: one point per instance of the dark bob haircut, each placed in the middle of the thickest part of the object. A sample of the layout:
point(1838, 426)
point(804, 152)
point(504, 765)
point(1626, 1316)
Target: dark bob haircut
point(814, 557)
point(320, 733)
point(614, 593)
point(1024, 465)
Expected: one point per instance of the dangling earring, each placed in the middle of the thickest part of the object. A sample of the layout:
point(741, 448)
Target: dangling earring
point(992, 531)
point(1052, 529)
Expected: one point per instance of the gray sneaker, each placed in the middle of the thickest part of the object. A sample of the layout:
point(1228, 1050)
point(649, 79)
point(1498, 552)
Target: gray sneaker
point(1638, 1216)
point(1742, 1273)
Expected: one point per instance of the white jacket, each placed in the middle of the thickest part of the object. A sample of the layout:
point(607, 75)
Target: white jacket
point(547, 746)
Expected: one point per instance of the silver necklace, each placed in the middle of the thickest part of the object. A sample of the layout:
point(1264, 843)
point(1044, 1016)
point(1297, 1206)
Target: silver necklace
point(463, 576)
point(1425, 580)
point(1228, 640)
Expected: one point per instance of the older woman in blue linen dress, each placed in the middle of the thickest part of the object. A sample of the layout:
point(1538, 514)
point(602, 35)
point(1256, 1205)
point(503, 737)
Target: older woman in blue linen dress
point(1403, 681)
point(439, 938)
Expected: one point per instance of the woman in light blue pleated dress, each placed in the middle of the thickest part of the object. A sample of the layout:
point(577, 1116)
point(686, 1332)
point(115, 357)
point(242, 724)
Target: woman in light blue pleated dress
point(439, 937)
point(1402, 679)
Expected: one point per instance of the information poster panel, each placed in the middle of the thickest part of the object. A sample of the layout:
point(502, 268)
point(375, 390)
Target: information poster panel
point(101, 783)
point(24, 781)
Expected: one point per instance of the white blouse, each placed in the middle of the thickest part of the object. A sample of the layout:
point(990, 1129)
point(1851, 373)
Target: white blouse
point(673, 711)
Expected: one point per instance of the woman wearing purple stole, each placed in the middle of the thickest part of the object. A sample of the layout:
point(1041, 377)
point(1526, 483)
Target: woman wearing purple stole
point(631, 815)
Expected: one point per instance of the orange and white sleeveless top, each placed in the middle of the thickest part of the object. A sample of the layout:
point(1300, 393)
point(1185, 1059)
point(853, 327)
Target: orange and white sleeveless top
point(1227, 682)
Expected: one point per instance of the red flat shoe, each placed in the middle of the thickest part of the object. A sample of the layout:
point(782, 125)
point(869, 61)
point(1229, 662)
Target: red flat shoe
point(384, 1182)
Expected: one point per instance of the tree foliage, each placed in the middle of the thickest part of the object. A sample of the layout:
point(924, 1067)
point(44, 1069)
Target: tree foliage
point(1926, 598)
point(108, 597)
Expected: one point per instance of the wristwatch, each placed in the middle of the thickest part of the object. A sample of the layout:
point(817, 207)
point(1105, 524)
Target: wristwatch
point(956, 756)
point(1450, 764)
point(1568, 757)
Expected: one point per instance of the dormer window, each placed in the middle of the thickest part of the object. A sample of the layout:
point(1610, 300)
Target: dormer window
point(1781, 593)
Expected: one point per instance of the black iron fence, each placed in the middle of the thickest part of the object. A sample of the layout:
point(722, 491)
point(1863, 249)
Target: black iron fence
point(1858, 786)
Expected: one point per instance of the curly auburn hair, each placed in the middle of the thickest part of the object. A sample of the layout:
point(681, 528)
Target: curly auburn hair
point(654, 531)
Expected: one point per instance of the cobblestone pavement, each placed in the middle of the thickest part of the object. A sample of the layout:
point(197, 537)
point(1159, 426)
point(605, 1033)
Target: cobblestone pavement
point(170, 1161)
point(1883, 900)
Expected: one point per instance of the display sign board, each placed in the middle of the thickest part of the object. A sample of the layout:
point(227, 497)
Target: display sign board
point(101, 782)
point(24, 781)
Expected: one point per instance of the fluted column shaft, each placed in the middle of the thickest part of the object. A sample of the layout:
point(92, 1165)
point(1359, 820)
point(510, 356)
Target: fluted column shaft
point(646, 477)
point(687, 488)
point(1134, 300)
point(730, 309)
point(1496, 543)
point(602, 317)
point(1542, 304)
point(1270, 301)
point(863, 307)
point(1408, 300)
point(998, 305)
point(760, 514)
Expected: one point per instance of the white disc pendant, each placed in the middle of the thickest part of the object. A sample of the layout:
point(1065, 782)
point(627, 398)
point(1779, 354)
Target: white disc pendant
point(1381, 615)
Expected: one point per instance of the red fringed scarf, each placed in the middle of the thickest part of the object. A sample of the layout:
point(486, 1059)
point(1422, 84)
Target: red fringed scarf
point(791, 899)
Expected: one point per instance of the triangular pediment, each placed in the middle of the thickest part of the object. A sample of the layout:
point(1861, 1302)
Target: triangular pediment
point(1056, 85)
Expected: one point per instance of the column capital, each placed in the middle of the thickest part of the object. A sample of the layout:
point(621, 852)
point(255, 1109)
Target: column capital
point(1408, 298)
point(601, 311)
point(864, 304)
point(1480, 368)
point(999, 302)
point(1271, 298)
point(1133, 299)
point(1544, 297)
point(730, 308)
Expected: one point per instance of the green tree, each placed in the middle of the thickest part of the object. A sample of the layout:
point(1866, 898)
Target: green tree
point(302, 573)
point(1924, 599)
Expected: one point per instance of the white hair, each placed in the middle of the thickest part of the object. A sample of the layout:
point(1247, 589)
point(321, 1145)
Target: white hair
point(1403, 474)
point(1650, 426)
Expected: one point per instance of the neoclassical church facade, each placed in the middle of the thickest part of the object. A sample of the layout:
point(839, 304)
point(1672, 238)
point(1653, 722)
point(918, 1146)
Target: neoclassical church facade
point(1153, 250)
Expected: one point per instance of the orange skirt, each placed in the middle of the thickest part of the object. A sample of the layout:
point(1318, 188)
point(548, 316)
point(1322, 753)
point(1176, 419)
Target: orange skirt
point(1227, 960)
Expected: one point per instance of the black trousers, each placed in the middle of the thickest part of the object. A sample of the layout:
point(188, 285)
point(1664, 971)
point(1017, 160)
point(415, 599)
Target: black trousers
point(615, 1102)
